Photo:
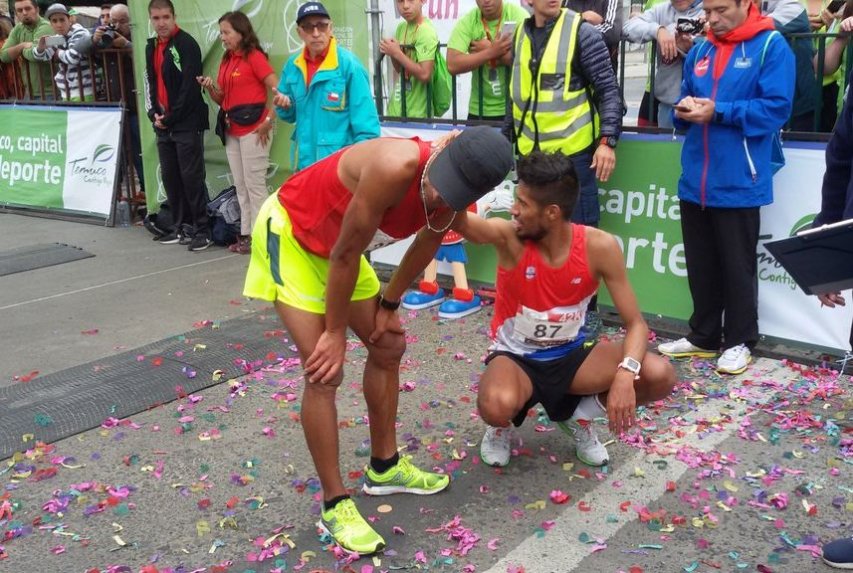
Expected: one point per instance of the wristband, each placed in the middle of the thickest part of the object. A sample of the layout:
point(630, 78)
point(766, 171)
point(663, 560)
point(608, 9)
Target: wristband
point(387, 304)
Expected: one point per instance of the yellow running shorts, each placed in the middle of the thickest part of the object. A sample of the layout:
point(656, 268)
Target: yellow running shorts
point(281, 269)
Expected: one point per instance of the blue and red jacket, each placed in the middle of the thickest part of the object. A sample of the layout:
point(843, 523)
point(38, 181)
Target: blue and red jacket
point(749, 73)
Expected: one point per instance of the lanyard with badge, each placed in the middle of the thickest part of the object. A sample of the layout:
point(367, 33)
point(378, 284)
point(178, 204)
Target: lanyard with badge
point(406, 78)
point(493, 64)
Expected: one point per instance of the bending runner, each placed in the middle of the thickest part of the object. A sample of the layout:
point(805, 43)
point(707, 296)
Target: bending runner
point(307, 247)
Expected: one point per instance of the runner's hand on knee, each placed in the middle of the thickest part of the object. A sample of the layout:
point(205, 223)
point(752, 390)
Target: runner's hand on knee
point(327, 360)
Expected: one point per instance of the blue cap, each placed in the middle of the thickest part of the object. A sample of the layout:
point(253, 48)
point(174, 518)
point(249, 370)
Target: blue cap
point(311, 9)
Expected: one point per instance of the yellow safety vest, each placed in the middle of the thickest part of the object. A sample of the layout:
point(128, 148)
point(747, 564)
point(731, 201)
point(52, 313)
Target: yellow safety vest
point(556, 117)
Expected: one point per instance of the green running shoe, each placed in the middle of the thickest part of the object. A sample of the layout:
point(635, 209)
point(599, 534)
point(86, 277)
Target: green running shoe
point(404, 478)
point(349, 529)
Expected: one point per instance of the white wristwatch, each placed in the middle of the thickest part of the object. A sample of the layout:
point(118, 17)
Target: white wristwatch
point(632, 366)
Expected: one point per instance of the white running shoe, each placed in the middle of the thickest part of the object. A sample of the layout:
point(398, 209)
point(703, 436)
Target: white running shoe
point(589, 449)
point(682, 348)
point(495, 446)
point(734, 360)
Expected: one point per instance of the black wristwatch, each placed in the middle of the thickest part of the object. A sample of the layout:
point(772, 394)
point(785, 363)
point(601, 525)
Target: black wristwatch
point(610, 141)
point(387, 304)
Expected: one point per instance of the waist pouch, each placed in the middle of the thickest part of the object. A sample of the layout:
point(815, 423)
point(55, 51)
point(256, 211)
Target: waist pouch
point(248, 114)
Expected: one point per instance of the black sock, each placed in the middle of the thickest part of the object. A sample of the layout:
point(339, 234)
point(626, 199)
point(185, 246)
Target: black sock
point(327, 505)
point(382, 466)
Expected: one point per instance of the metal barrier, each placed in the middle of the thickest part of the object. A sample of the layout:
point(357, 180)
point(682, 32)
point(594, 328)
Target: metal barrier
point(112, 83)
point(821, 40)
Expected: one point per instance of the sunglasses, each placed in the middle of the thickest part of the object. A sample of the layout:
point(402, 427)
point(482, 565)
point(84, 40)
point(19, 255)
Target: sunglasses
point(319, 26)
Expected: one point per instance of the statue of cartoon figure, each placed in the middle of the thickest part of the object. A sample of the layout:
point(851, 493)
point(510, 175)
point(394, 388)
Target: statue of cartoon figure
point(462, 301)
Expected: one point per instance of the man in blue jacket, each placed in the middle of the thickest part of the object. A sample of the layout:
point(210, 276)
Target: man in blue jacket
point(324, 90)
point(736, 94)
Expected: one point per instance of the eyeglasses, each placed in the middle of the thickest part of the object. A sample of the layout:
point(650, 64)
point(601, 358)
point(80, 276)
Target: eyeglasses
point(321, 27)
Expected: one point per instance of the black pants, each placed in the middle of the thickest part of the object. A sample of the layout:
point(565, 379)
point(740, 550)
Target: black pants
point(720, 251)
point(182, 170)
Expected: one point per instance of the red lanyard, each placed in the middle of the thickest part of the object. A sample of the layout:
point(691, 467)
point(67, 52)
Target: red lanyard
point(492, 63)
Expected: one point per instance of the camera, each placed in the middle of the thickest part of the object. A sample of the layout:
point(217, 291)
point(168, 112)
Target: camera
point(109, 34)
point(690, 26)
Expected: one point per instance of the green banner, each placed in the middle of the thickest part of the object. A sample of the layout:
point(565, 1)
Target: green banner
point(274, 23)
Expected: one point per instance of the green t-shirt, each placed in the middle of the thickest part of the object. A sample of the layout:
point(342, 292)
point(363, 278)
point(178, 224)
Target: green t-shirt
point(21, 34)
point(424, 41)
point(494, 81)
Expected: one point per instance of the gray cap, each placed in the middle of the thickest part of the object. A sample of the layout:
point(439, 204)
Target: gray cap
point(55, 9)
point(470, 166)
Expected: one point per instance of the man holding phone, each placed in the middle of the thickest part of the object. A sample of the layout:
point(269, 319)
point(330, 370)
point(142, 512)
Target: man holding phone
point(737, 93)
point(481, 42)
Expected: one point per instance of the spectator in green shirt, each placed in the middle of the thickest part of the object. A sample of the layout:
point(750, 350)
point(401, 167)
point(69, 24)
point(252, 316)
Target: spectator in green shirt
point(412, 52)
point(477, 45)
point(23, 38)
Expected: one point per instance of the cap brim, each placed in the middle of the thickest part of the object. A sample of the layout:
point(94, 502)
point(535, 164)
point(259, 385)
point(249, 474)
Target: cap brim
point(448, 180)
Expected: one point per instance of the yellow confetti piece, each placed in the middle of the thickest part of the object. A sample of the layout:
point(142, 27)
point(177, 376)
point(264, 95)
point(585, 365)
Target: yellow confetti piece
point(760, 437)
point(217, 375)
point(121, 542)
point(72, 467)
point(376, 561)
point(797, 454)
point(639, 472)
point(199, 347)
point(758, 474)
point(147, 469)
point(698, 522)
point(202, 528)
point(456, 455)
point(28, 438)
point(730, 486)
point(723, 506)
point(567, 467)
point(307, 556)
point(384, 508)
point(539, 504)
point(285, 538)
point(850, 506)
point(228, 522)
point(117, 527)
point(667, 529)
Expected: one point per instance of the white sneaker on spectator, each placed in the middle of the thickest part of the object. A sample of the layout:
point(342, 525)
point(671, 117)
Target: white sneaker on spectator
point(588, 448)
point(734, 360)
point(495, 446)
point(682, 348)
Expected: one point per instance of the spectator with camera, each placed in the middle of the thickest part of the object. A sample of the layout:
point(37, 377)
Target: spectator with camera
point(120, 79)
point(75, 76)
point(673, 25)
point(21, 42)
point(736, 95)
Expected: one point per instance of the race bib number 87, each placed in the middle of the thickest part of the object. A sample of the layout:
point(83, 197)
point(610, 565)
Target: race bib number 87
point(550, 328)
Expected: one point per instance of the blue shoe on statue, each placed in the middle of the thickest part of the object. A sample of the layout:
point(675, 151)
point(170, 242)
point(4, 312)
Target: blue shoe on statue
point(839, 553)
point(455, 308)
point(419, 300)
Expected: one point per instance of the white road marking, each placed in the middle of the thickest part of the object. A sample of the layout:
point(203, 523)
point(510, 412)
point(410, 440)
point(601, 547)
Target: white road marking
point(562, 539)
point(115, 282)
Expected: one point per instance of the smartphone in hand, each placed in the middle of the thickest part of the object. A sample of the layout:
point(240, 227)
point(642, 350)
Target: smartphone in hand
point(835, 6)
point(508, 29)
point(54, 41)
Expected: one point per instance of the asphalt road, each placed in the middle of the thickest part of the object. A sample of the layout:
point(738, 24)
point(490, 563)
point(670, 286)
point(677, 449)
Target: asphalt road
point(747, 473)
